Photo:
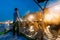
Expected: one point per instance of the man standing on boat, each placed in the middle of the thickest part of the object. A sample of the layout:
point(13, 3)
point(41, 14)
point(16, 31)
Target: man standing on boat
point(16, 22)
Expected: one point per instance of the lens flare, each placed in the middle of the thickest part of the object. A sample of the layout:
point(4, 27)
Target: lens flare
point(52, 16)
point(31, 17)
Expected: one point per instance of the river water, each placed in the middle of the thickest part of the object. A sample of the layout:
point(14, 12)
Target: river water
point(9, 36)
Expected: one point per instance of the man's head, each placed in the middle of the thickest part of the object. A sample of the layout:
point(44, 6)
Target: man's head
point(16, 9)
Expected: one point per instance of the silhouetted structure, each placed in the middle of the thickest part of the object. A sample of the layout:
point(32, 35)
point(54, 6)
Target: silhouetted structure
point(40, 1)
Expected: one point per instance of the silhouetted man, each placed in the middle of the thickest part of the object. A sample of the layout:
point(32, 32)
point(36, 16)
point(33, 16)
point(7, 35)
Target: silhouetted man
point(16, 22)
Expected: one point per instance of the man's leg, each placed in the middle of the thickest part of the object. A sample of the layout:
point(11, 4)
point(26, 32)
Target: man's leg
point(18, 28)
point(13, 28)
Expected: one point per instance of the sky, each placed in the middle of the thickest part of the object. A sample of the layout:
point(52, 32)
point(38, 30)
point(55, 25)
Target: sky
point(24, 6)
